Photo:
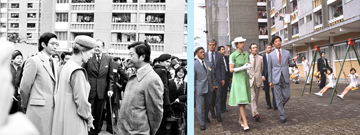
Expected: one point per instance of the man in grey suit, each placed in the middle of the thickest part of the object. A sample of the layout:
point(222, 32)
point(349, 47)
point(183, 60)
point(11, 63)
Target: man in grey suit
point(218, 66)
point(278, 71)
point(203, 86)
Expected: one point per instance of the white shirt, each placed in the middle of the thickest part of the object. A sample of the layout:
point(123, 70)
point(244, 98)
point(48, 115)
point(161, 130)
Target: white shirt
point(201, 62)
point(267, 56)
point(47, 57)
point(277, 53)
point(225, 64)
point(353, 78)
point(210, 56)
point(305, 65)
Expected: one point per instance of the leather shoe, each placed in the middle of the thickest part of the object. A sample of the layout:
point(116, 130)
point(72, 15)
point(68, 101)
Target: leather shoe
point(275, 107)
point(269, 107)
point(222, 111)
point(257, 117)
point(213, 116)
point(207, 120)
point(219, 119)
point(202, 127)
point(283, 121)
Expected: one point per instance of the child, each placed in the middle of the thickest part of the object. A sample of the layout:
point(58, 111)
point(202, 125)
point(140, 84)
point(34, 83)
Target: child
point(297, 75)
point(332, 79)
point(354, 79)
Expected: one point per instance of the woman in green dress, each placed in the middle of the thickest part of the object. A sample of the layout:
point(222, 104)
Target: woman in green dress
point(240, 93)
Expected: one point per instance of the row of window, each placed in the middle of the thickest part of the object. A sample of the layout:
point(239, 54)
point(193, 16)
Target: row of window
point(16, 5)
point(16, 25)
point(16, 15)
point(114, 1)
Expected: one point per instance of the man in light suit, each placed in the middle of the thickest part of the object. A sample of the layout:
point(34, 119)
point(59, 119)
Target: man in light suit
point(100, 74)
point(279, 62)
point(142, 107)
point(228, 75)
point(255, 79)
point(203, 86)
point(38, 84)
point(265, 79)
point(217, 64)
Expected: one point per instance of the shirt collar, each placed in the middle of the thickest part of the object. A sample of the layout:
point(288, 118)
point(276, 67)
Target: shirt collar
point(46, 56)
point(141, 68)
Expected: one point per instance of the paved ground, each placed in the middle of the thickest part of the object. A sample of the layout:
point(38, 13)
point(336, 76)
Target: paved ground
point(309, 114)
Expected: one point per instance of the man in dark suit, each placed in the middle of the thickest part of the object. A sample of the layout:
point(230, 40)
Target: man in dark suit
point(203, 86)
point(265, 79)
point(217, 65)
point(120, 80)
point(322, 65)
point(100, 75)
point(228, 75)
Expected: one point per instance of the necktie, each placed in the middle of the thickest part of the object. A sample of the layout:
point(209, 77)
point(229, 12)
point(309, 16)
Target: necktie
point(98, 60)
point(204, 66)
point(212, 61)
point(52, 66)
point(225, 64)
point(254, 62)
point(279, 56)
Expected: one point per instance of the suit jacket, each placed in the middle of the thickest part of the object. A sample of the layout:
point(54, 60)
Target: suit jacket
point(228, 74)
point(321, 66)
point(255, 72)
point(203, 78)
point(164, 75)
point(219, 71)
point(37, 92)
point(265, 67)
point(275, 69)
point(120, 78)
point(100, 78)
point(175, 92)
point(142, 107)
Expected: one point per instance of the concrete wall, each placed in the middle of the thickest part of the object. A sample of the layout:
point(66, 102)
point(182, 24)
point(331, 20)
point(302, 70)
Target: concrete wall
point(351, 9)
point(47, 16)
point(217, 24)
point(346, 36)
point(101, 29)
point(174, 35)
point(243, 21)
point(305, 8)
point(279, 25)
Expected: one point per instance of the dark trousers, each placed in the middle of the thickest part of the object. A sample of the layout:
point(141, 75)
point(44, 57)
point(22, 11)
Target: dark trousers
point(224, 90)
point(16, 106)
point(267, 93)
point(323, 80)
point(97, 110)
point(216, 103)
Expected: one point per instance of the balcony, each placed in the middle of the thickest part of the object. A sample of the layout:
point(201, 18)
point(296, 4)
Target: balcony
point(82, 26)
point(185, 28)
point(31, 30)
point(119, 46)
point(272, 12)
point(295, 36)
point(284, 3)
point(12, 30)
point(318, 27)
point(124, 6)
point(32, 10)
point(13, 1)
point(317, 4)
point(32, 19)
point(14, 10)
point(336, 20)
point(157, 47)
point(83, 7)
point(123, 27)
point(273, 30)
point(185, 7)
point(295, 18)
point(152, 27)
point(13, 19)
point(184, 49)
point(152, 6)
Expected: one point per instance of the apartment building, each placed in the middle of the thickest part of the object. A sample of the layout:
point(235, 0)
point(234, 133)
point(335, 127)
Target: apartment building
point(162, 23)
point(317, 22)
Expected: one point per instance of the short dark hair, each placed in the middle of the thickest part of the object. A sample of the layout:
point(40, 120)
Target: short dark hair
point(274, 38)
point(353, 69)
point(322, 52)
point(303, 57)
point(141, 48)
point(198, 49)
point(62, 56)
point(56, 55)
point(268, 45)
point(330, 70)
point(212, 40)
point(251, 45)
point(116, 59)
point(180, 68)
point(99, 40)
point(219, 48)
point(44, 38)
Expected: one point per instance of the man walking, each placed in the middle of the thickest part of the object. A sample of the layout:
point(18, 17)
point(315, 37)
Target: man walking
point(38, 84)
point(255, 79)
point(228, 75)
point(217, 64)
point(265, 79)
point(279, 62)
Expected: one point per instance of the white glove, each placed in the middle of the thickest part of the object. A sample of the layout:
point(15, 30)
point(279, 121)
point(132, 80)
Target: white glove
point(244, 67)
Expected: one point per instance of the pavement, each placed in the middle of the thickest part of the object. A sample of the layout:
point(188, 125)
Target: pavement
point(310, 114)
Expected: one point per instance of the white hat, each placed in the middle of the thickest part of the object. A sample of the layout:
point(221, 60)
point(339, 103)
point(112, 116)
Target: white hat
point(238, 39)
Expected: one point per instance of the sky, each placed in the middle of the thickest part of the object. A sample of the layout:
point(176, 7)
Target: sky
point(199, 24)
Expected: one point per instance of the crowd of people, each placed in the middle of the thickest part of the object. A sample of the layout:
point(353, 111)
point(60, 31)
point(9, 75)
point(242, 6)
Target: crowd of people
point(73, 93)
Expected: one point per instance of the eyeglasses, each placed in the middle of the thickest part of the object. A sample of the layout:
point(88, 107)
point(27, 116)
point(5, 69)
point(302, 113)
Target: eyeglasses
point(54, 44)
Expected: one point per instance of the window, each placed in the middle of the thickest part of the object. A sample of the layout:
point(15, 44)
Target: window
point(61, 17)
point(14, 25)
point(326, 50)
point(263, 29)
point(261, 0)
point(299, 60)
point(14, 5)
point(301, 21)
point(308, 18)
point(293, 5)
point(285, 33)
point(185, 19)
point(282, 32)
point(31, 15)
point(272, 20)
point(341, 49)
point(318, 18)
point(271, 3)
point(85, 17)
point(295, 29)
point(124, 1)
point(125, 37)
point(262, 43)
point(14, 15)
point(3, 5)
point(261, 12)
point(335, 10)
point(154, 18)
point(62, 1)
point(30, 25)
point(121, 18)
point(62, 35)
point(155, 1)
point(83, 1)
point(28, 35)
point(30, 5)
point(2, 25)
point(155, 38)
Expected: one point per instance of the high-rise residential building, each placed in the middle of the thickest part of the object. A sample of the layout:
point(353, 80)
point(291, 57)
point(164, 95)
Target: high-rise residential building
point(229, 19)
point(162, 23)
point(317, 22)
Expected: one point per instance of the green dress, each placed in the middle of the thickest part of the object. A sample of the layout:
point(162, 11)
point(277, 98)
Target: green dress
point(240, 88)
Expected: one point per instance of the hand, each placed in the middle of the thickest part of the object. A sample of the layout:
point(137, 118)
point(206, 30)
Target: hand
point(271, 85)
point(110, 93)
point(177, 100)
point(263, 78)
point(230, 79)
point(222, 82)
point(295, 58)
point(213, 87)
point(90, 126)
